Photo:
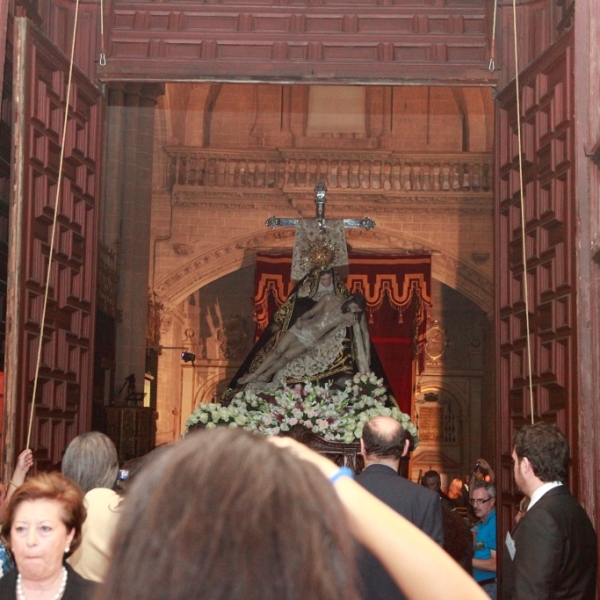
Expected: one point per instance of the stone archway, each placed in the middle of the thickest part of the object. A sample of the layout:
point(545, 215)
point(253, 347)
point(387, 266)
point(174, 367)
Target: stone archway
point(206, 267)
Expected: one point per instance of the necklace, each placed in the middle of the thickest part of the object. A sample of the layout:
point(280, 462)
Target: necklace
point(57, 596)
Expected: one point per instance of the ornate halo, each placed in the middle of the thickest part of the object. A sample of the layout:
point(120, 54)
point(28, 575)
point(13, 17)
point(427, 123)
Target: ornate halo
point(320, 255)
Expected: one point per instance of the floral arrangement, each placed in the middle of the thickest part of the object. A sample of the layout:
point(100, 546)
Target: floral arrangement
point(332, 413)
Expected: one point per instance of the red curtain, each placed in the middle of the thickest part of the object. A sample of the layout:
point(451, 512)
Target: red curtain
point(397, 289)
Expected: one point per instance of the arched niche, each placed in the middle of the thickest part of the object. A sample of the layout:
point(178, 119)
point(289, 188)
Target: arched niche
point(440, 411)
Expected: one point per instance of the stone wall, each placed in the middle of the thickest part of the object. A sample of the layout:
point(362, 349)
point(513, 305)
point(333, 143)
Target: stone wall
point(417, 161)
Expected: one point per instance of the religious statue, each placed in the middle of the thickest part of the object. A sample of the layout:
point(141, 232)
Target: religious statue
point(318, 326)
point(319, 333)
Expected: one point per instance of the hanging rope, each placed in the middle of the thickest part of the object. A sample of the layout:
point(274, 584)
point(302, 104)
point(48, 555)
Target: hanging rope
point(492, 65)
point(102, 48)
point(523, 232)
point(54, 221)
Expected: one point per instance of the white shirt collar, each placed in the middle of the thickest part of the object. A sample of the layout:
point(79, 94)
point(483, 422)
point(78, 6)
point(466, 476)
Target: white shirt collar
point(541, 491)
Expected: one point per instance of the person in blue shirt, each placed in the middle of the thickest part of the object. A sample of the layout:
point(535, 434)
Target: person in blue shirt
point(483, 501)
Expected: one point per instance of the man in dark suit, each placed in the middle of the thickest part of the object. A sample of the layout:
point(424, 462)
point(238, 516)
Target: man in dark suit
point(384, 442)
point(552, 552)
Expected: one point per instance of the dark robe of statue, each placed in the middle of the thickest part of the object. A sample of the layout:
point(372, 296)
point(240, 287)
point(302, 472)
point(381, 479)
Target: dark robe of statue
point(302, 298)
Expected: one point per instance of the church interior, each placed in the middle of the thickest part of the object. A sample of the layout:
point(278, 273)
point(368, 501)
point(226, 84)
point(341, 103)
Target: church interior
point(189, 126)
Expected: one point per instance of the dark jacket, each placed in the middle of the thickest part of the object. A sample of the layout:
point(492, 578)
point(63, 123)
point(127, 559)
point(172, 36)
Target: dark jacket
point(421, 506)
point(555, 552)
point(77, 587)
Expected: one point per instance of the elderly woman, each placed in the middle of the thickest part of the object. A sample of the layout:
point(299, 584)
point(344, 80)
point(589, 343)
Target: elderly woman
point(226, 514)
point(91, 461)
point(42, 528)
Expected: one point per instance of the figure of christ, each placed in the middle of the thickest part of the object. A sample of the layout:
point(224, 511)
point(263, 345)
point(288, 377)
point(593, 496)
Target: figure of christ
point(325, 317)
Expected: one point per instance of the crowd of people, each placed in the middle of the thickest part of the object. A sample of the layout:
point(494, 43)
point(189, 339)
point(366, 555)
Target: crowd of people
point(225, 514)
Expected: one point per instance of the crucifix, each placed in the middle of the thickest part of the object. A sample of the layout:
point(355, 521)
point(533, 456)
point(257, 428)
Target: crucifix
point(320, 193)
point(319, 243)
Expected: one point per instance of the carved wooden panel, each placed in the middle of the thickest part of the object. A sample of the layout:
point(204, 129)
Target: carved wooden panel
point(64, 392)
point(367, 39)
point(539, 24)
point(547, 121)
point(56, 20)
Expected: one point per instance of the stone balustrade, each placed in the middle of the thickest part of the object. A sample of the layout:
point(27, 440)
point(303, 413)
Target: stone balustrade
point(374, 170)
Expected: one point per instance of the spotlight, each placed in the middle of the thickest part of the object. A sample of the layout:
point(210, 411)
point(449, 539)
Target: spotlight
point(188, 357)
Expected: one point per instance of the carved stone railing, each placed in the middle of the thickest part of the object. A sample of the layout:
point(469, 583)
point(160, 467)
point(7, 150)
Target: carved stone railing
point(345, 171)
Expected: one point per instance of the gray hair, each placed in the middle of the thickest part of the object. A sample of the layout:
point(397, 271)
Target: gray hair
point(490, 488)
point(91, 461)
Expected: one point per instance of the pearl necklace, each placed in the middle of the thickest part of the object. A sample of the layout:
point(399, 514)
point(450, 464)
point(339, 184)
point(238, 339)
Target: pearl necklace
point(57, 596)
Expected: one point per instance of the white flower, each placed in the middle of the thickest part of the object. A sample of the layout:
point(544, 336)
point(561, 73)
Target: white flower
point(337, 414)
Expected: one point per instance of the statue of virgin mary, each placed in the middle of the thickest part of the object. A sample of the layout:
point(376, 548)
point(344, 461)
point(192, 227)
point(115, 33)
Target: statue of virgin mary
point(339, 355)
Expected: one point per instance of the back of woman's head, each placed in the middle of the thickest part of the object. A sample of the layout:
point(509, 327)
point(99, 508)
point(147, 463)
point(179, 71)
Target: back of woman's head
point(91, 461)
point(226, 515)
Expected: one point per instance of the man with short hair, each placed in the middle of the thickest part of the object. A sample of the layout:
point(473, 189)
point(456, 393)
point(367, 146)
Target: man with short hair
point(483, 501)
point(433, 481)
point(552, 552)
point(384, 442)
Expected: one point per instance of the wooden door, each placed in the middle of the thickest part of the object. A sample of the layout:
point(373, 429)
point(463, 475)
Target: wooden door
point(546, 117)
point(63, 397)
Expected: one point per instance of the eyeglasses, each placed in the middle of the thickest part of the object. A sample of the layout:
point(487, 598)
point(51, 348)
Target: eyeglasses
point(478, 501)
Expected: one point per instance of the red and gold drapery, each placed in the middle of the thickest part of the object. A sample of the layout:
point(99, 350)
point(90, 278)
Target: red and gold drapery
point(397, 290)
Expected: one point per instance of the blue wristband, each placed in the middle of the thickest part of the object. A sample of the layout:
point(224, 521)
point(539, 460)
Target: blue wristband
point(341, 472)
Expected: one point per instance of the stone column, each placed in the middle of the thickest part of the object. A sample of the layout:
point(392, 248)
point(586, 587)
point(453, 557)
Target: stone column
point(130, 132)
point(113, 161)
point(388, 118)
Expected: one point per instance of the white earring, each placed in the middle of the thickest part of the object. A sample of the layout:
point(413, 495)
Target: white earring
point(67, 549)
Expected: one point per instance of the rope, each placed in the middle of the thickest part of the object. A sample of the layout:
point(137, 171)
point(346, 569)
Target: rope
point(492, 65)
point(524, 241)
point(54, 221)
point(102, 48)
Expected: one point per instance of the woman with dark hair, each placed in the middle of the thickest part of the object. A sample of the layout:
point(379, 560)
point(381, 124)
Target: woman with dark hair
point(42, 528)
point(225, 515)
point(91, 461)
